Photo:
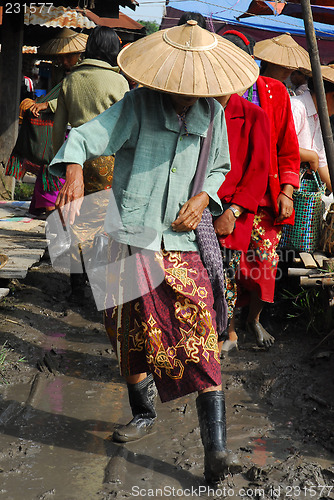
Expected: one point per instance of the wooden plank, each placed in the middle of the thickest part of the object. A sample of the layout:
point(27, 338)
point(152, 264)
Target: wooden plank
point(320, 257)
point(308, 260)
point(315, 280)
point(300, 271)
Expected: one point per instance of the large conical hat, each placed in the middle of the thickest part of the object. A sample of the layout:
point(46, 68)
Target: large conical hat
point(66, 42)
point(188, 60)
point(328, 73)
point(284, 51)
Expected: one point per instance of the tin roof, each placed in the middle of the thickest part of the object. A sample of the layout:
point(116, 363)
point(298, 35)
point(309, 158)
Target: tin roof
point(56, 17)
point(123, 21)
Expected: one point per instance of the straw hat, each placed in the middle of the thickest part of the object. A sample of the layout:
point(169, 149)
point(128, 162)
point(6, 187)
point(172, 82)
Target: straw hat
point(66, 42)
point(283, 51)
point(188, 60)
point(328, 73)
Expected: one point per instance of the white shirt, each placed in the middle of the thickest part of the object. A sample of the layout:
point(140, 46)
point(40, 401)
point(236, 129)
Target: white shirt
point(308, 125)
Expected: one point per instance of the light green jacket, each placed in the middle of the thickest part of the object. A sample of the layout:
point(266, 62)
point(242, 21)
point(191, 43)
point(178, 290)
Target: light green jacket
point(155, 162)
point(91, 88)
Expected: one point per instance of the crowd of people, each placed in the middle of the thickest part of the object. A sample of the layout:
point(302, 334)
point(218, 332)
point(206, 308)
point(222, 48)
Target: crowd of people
point(206, 153)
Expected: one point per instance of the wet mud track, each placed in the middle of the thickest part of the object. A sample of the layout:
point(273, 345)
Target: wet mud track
point(59, 408)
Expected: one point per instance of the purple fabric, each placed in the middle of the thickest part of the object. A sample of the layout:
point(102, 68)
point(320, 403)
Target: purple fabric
point(40, 198)
point(206, 237)
point(255, 97)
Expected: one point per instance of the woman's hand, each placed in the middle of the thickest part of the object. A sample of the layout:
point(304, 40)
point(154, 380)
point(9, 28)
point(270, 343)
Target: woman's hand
point(285, 203)
point(225, 223)
point(37, 107)
point(71, 195)
point(309, 157)
point(191, 213)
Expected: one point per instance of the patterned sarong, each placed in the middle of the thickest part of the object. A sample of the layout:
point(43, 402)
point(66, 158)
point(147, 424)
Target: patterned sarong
point(171, 330)
point(257, 269)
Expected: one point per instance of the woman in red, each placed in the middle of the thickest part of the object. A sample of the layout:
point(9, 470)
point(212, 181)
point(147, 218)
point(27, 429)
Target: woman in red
point(242, 190)
point(257, 269)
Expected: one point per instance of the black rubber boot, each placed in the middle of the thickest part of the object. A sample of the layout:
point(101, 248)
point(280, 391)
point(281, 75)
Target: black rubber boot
point(142, 401)
point(218, 461)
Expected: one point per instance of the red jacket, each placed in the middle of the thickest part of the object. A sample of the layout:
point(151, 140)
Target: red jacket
point(247, 181)
point(284, 148)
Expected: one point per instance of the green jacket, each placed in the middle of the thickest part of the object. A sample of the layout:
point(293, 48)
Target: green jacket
point(155, 162)
point(91, 88)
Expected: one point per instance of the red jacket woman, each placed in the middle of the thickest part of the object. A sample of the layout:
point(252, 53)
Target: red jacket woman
point(247, 181)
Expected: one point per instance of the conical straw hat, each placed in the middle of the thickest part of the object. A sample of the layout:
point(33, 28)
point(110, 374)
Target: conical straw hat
point(66, 42)
point(328, 73)
point(188, 60)
point(283, 51)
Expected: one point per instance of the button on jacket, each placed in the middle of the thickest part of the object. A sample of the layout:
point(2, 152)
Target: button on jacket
point(155, 162)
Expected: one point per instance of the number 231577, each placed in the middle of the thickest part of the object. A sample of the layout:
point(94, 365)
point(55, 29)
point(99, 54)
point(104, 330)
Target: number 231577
point(17, 7)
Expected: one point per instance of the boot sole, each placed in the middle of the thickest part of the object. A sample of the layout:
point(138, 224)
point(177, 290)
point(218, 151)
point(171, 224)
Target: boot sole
point(117, 438)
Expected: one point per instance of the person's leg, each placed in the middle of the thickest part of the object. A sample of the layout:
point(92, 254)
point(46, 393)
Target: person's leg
point(263, 338)
point(231, 259)
point(142, 394)
point(218, 460)
point(232, 341)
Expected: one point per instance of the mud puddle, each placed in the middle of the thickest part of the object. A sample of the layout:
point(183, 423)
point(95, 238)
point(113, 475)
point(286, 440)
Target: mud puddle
point(60, 407)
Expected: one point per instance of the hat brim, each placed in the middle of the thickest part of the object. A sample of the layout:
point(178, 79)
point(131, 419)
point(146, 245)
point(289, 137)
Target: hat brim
point(328, 73)
point(294, 57)
point(72, 45)
point(222, 70)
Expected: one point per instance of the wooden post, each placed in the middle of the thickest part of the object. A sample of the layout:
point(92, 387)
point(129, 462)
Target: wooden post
point(319, 86)
point(10, 88)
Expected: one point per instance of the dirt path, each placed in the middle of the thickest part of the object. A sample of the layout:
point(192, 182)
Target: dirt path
point(58, 409)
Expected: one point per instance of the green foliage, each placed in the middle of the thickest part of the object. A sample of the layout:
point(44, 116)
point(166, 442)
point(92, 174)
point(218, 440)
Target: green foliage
point(308, 306)
point(151, 26)
point(23, 191)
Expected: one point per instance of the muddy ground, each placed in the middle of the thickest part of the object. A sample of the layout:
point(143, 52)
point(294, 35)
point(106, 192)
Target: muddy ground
point(59, 406)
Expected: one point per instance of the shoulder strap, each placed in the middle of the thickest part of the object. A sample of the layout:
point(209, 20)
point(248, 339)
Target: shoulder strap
point(203, 155)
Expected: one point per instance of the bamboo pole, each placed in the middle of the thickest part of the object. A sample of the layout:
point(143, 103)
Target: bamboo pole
point(319, 86)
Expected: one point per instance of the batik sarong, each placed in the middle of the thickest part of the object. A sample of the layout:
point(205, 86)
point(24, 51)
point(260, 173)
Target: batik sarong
point(170, 331)
point(258, 267)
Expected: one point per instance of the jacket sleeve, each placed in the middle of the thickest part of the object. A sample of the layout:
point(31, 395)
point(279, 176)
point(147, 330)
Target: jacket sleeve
point(254, 182)
point(287, 144)
point(102, 136)
point(220, 165)
point(60, 122)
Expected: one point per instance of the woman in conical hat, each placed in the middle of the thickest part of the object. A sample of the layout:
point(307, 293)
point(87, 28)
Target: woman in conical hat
point(155, 132)
point(305, 114)
point(280, 56)
point(257, 269)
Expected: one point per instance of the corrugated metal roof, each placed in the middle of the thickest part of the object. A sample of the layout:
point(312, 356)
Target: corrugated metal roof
point(28, 49)
point(57, 17)
point(124, 21)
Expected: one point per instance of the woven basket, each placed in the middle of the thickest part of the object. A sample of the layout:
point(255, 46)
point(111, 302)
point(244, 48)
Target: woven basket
point(304, 236)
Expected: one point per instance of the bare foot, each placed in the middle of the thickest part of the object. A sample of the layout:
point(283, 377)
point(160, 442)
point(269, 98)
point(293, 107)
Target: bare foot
point(263, 338)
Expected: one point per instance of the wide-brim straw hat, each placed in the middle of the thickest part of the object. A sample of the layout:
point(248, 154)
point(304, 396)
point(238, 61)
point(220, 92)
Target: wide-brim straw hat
point(188, 60)
point(284, 51)
point(328, 73)
point(66, 42)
